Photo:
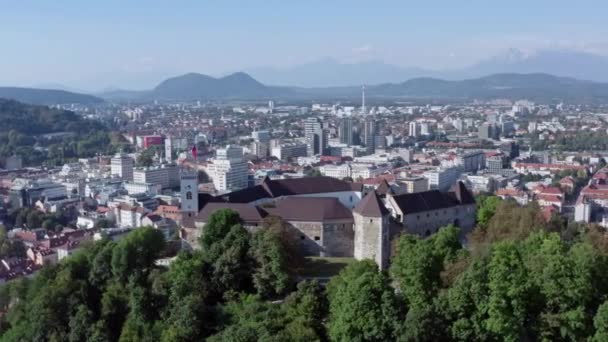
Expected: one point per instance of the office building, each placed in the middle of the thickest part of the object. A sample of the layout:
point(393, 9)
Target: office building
point(443, 178)
point(415, 184)
point(288, 151)
point(228, 170)
point(369, 135)
point(261, 136)
point(413, 129)
point(346, 131)
point(121, 166)
point(167, 176)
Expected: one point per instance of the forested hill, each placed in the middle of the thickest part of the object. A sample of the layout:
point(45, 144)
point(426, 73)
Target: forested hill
point(46, 96)
point(32, 119)
point(24, 125)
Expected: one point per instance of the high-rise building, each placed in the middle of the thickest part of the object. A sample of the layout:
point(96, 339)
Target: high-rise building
point(260, 149)
point(425, 128)
point(168, 150)
point(122, 165)
point(346, 131)
point(413, 129)
point(261, 136)
point(363, 109)
point(315, 141)
point(369, 133)
point(231, 152)
point(488, 131)
point(319, 142)
point(311, 125)
point(228, 170)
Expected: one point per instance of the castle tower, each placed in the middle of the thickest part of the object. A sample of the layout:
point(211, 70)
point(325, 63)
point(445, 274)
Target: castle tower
point(189, 194)
point(372, 230)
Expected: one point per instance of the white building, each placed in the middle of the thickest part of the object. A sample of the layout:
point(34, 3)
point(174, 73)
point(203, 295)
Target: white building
point(415, 184)
point(413, 131)
point(336, 171)
point(167, 176)
point(443, 178)
point(228, 170)
point(121, 166)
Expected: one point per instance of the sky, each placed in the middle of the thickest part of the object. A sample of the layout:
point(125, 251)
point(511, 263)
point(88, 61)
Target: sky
point(96, 44)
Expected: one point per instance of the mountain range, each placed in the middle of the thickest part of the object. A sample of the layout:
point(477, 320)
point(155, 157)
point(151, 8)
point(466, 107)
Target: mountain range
point(240, 86)
point(329, 72)
point(547, 75)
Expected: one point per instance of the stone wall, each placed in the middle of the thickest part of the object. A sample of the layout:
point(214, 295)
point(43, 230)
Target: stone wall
point(338, 239)
point(330, 239)
point(428, 222)
point(372, 239)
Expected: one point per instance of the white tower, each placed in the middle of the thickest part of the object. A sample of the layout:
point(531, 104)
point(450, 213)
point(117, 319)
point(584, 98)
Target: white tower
point(168, 150)
point(363, 111)
point(189, 193)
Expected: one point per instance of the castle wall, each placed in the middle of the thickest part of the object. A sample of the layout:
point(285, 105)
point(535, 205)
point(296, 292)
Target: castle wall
point(330, 239)
point(372, 239)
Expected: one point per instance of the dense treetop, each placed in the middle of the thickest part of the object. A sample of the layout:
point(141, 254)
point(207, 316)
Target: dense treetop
point(518, 279)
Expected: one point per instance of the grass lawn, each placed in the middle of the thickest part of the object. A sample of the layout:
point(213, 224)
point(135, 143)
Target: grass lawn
point(323, 267)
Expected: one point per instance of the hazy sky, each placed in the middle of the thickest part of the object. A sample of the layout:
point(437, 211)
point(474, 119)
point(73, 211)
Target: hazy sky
point(91, 43)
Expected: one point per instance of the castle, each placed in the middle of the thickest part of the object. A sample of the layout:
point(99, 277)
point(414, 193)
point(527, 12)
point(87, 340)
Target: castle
point(330, 217)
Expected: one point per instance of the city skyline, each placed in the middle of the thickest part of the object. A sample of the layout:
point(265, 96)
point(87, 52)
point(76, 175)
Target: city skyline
point(111, 44)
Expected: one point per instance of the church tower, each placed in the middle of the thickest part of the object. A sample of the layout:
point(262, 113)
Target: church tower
point(189, 194)
point(372, 230)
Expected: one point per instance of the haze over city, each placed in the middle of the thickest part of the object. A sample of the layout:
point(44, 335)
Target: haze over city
point(134, 45)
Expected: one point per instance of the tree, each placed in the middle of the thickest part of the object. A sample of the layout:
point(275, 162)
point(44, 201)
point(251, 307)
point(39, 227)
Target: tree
point(509, 292)
point(362, 304)
point(34, 219)
point(80, 324)
point(416, 267)
point(218, 226)
point(600, 322)
point(486, 208)
point(271, 277)
point(137, 252)
point(308, 307)
point(466, 304)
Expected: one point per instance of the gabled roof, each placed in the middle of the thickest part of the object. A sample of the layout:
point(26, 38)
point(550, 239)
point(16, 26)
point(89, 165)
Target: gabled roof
point(371, 206)
point(289, 187)
point(313, 209)
point(384, 188)
point(308, 185)
point(247, 212)
point(434, 199)
point(463, 195)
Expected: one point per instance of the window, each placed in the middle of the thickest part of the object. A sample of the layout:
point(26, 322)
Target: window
point(317, 238)
point(189, 195)
point(302, 237)
point(417, 217)
point(371, 221)
point(351, 198)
